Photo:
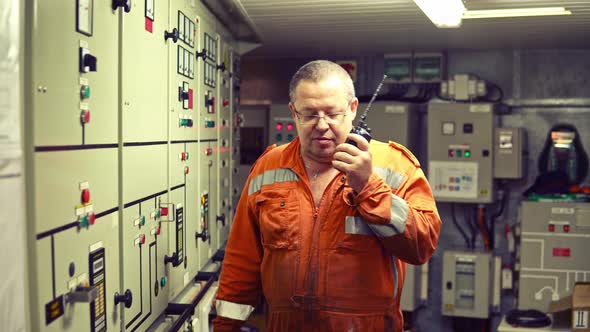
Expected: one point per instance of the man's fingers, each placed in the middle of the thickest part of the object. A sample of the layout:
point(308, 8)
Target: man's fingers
point(344, 157)
point(361, 143)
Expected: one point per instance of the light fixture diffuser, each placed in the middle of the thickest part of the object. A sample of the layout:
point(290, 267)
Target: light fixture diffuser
point(516, 12)
point(443, 13)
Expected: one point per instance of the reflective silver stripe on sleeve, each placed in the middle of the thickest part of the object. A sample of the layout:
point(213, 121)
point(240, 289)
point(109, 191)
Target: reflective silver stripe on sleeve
point(233, 310)
point(397, 221)
point(270, 177)
point(391, 178)
point(394, 267)
point(356, 225)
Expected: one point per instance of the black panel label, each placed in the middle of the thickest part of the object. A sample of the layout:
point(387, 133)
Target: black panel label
point(54, 309)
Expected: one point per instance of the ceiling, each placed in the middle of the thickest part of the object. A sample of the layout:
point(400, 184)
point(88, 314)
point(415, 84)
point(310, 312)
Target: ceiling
point(310, 28)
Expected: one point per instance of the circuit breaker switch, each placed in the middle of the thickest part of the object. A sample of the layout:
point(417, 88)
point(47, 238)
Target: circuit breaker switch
point(88, 62)
point(210, 102)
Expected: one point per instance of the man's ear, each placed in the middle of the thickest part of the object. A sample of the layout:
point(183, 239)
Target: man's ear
point(354, 104)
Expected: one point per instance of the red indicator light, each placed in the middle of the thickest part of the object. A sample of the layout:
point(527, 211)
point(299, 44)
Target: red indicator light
point(290, 126)
point(279, 126)
point(85, 196)
point(92, 218)
point(561, 252)
point(552, 228)
point(164, 211)
point(566, 228)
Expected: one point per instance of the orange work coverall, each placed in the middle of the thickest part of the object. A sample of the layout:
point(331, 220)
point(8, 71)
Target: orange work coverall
point(336, 267)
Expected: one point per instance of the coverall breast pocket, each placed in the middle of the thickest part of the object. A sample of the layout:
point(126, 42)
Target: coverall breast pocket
point(279, 219)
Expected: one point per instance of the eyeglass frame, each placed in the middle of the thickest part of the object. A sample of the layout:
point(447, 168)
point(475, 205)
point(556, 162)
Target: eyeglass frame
point(317, 117)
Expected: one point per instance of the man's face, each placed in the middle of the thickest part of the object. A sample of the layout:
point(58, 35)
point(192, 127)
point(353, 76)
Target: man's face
point(319, 137)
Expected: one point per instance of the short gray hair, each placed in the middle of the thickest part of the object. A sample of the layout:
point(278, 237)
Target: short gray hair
point(318, 70)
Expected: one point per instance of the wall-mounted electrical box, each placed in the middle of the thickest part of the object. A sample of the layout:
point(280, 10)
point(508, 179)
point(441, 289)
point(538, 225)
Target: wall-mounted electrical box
point(429, 67)
point(553, 249)
point(460, 151)
point(392, 121)
point(398, 67)
point(467, 284)
point(510, 153)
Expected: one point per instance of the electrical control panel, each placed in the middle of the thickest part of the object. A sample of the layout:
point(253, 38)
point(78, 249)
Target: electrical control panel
point(132, 147)
point(467, 284)
point(281, 129)
point(460, 152)
point(552, 250)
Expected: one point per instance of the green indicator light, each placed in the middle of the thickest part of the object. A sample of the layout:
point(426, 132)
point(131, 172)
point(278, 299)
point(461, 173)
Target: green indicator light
point(142, 220)
point(290, 137)
point(84, 221)
point(458, 153)
point(186, 155)
point(183, 122)
point(85, 92)
point(467, 153)
point(158, 214)
point(163, 282)
point(279, 137)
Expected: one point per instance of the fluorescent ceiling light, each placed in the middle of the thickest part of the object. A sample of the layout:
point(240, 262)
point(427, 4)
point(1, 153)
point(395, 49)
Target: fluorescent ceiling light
point(518, 12)
point(443, 13)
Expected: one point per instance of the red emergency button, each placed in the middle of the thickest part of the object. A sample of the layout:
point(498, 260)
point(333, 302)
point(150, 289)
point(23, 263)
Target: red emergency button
point(85, 196)
point(566, 228)
point(92, 218)
point(163, 211)
point(551, 228)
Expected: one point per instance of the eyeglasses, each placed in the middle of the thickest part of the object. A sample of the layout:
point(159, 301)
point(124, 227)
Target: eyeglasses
point(313, 119)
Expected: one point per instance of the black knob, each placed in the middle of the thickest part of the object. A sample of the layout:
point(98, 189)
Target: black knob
point(127, 298)
point(173, 34)
point(222, 219)
point(172, 259)
point(221, 67)
point(202, 54)
point(204, 235)
point(182, 95)
point(126, 4)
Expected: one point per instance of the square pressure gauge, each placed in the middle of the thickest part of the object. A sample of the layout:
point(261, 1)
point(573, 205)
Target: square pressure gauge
point(85, 16)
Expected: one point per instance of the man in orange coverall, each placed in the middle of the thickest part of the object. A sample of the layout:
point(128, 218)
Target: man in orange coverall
point(323, 228)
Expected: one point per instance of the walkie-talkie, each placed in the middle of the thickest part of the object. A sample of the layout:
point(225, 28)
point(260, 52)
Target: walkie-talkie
point(361, 127)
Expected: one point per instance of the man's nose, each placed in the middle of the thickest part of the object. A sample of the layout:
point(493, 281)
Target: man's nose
point(322, 123)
